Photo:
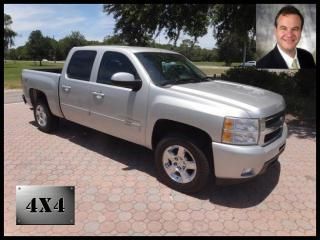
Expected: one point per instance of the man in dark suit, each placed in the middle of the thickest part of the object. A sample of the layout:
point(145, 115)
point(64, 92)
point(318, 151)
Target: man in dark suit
point(288, 27)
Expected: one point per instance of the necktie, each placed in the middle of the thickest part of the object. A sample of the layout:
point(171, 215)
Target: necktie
point(294, 64)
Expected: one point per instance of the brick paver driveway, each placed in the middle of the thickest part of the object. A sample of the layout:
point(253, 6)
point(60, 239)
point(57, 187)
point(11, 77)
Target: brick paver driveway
point(117, 192)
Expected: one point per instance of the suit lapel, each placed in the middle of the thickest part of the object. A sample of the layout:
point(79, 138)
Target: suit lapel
point(301, 62)
point(279, 61)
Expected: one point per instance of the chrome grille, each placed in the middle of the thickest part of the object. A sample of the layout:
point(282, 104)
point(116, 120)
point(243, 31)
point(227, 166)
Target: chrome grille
point(275, 120)
point(271, 128)
point(273, 135)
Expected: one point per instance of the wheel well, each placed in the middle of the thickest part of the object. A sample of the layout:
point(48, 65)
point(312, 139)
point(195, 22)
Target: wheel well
point(165, 127)
point(36, 95)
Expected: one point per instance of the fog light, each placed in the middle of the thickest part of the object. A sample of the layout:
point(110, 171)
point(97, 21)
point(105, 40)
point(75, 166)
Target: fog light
point(246, 172)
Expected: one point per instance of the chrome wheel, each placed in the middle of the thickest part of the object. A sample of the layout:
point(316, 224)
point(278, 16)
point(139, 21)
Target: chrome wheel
point(179, 164)
point(41, 116)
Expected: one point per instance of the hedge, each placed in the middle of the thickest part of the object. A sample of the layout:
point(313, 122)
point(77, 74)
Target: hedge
point(298, 88)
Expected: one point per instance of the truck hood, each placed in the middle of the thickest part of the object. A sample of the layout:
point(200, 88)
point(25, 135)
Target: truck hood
point(257, 102)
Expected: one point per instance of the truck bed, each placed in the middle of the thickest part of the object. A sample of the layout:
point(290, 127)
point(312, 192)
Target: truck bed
point(45, 81)
point(52, 70)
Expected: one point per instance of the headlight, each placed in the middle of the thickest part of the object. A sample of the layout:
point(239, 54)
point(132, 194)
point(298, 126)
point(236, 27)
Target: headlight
point(240, 131)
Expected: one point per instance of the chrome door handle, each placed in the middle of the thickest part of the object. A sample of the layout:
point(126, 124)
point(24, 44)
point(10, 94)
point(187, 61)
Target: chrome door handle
point(98, 95)
point(66, 88)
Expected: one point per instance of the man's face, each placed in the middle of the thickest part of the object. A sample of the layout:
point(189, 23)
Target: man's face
point(288, 32)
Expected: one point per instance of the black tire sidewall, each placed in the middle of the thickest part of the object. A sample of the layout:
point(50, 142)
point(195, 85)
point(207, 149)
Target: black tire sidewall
point(203, 170)
point(51, 121)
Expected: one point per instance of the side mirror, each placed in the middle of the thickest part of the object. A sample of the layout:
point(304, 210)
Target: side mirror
point(124, 79)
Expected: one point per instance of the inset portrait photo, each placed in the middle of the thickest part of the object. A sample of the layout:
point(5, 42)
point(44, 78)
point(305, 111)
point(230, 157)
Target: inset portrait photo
point(286, 36)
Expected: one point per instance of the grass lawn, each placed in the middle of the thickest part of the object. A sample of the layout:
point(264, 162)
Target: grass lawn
point(13, 69)
point(211, 68)
point(211, 71)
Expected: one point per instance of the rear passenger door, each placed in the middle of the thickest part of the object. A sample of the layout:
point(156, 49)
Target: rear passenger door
point(75, 87)
point(117, 110)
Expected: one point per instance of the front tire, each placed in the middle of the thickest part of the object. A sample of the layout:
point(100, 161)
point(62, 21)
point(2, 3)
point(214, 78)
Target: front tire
point(45, 120)
point(181, 164)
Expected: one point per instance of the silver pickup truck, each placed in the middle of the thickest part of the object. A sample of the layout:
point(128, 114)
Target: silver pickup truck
point(198, 127)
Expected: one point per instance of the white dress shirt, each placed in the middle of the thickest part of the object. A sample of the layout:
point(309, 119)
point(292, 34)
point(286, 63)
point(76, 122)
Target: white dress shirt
point(289, 60)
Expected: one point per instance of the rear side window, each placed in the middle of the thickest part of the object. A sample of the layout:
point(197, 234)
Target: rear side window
point(81, 64)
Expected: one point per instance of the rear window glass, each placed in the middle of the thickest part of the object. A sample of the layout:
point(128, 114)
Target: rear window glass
point(80, 65)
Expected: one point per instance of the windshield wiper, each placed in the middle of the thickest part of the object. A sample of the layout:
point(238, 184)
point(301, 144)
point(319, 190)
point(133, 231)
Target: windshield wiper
point(186, 80)
point(207, 78)
point(180, 81)
point(162, 84)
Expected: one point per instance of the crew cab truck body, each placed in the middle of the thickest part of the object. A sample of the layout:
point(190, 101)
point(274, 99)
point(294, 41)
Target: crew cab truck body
point(156, 98)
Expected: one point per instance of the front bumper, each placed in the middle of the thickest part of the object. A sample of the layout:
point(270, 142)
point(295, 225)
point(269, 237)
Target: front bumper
point(230, 161)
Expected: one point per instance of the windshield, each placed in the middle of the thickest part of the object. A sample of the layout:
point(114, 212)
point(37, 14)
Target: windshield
point(169, 68)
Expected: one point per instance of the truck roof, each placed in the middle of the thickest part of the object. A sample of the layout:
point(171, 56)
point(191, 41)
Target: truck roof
point(132, 49)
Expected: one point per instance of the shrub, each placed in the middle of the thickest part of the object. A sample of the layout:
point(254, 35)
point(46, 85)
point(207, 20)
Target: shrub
point(298, 90)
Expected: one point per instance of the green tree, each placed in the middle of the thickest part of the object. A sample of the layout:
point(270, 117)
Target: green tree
point(38, 46)
point(137, 24)
point(234, 24)
point(22, 53)
point(197, 22)
point(185, 47)
point(53, 48)
point(8, 33)
point(70, 41)
point(12, 54)
point(172, 21)
point(229, 48)
point(94, 42)
point(113, 40)
point(59, 54)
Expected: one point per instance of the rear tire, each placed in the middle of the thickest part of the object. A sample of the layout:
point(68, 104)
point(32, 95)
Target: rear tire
point(45, 120)
point(181, 164)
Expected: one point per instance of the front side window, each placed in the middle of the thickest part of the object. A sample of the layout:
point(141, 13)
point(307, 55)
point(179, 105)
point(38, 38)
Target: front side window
point(80, 65)
point(114, 62)
point(169, 68)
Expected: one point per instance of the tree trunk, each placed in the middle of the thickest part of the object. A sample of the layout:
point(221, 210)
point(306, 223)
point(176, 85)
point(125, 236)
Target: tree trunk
point(177, 37)
point(40, 63)
point(194, 42)
point(244, 52)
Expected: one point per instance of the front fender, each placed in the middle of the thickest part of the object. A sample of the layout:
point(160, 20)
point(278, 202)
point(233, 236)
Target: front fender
point(190, 113)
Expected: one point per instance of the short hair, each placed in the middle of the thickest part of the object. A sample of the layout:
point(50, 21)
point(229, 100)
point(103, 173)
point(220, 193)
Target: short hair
point(289, 9)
